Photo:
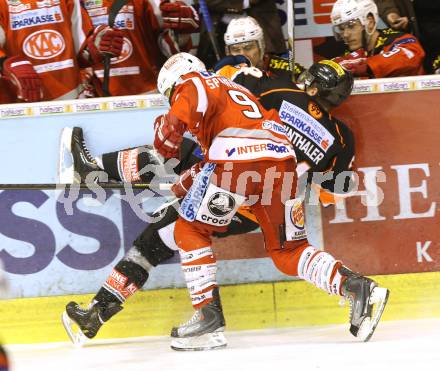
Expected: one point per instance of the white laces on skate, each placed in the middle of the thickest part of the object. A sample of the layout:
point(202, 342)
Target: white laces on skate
point(197, 316)
point(89, 157)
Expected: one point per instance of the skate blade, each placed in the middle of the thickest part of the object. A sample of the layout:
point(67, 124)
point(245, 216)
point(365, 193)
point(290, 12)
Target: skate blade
point(378, 298)
point(77, 337)
point(211, 341)
point(65, 160)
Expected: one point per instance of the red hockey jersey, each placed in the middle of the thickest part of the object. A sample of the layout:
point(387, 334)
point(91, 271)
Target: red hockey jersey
point(50, 34)
point(136, 70)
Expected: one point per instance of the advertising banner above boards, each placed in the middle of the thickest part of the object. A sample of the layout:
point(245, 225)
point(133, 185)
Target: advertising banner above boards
point(151, 101)
point(53, 248)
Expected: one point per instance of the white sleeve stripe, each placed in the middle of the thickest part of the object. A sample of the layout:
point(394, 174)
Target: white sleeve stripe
point(202, 98)
point(78, 34)
point(2, 37)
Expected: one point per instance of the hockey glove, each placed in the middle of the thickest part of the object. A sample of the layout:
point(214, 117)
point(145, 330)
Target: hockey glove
point(168, 135)
point(186, 179)
point(355, 62)
point(179, 16)
point(20, 72)
point(105, 40)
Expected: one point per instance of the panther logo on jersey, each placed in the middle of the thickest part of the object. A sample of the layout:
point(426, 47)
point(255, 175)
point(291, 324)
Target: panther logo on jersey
point(314, 110)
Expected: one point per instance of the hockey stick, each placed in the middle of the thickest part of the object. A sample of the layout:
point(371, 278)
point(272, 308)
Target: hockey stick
point(114, 10)
point(209, 27)
point(291, 36)
point(90, 186)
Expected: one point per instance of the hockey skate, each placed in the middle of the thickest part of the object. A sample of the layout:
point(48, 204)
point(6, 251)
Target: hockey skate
point(76, 165)
point(82, 324)
point(204, 331)
point(367, 303)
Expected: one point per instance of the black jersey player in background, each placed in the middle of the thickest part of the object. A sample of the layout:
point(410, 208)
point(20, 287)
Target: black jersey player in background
point(322, 144)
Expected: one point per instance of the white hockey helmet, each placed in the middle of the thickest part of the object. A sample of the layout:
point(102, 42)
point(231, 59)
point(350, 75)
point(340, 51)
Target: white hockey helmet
point(176, 66)
point(244, 29)
point(349, 10)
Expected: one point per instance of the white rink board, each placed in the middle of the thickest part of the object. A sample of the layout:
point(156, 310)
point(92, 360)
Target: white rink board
point(396, 345)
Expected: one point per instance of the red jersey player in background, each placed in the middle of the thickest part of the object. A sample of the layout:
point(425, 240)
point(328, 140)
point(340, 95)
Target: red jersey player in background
point(371, 52)
point(248, 160)
point(43, 45)
point(151, 35)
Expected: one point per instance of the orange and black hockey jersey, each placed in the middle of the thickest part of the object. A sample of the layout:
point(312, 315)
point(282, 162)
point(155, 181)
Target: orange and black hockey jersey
point(321, 142)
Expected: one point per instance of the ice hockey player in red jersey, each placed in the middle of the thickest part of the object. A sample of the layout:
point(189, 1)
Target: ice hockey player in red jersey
point(240, 140)
point(371, 52)
point(43, 45)
point(151, 35)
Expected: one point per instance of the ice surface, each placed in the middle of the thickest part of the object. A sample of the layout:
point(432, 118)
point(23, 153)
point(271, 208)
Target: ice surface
point(396, 345)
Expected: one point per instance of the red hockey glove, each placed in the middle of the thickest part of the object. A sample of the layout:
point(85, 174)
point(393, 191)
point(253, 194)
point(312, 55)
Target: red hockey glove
point(168, 135)
point(355, 62)
point(105, 40)
point(182, 186)
point(179, 16)
point(23, 76)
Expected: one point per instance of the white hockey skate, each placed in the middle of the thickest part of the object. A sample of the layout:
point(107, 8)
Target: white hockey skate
point(205, 329)
point(367, 303)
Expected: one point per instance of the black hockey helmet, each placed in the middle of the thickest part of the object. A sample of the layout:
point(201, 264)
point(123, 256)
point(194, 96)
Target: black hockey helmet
point(333, 82)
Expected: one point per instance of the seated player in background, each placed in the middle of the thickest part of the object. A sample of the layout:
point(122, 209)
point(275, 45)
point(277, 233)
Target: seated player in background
point(150, 36)
point(330, 86)
point(244, 36)
point(373, 53)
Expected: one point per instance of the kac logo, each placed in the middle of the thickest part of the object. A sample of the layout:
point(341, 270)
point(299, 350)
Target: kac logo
point(44, 44)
